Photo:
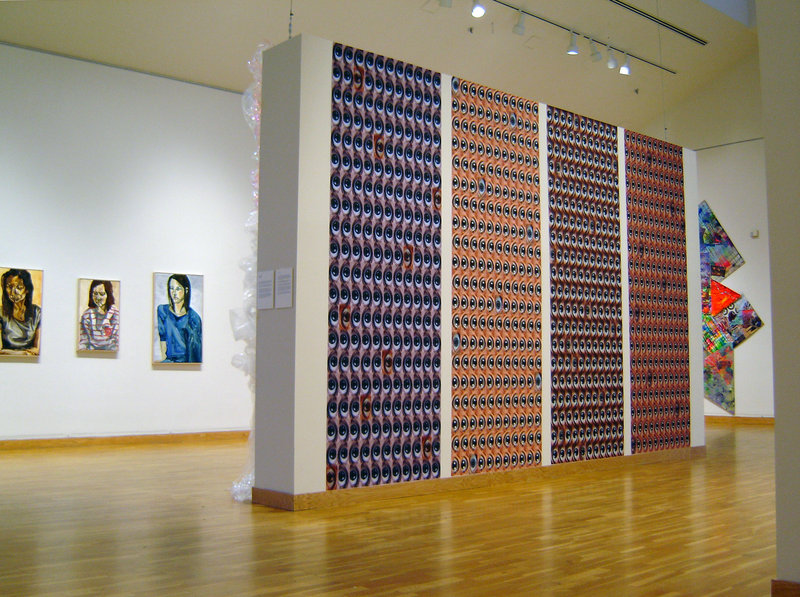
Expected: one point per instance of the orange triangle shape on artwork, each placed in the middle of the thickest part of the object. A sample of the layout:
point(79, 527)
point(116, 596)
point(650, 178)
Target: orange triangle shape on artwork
point(721, 297)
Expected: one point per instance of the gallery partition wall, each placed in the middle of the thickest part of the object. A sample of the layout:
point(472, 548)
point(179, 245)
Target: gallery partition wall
point(470, 282)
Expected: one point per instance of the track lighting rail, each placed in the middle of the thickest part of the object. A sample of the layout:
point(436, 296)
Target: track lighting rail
point(591, 38)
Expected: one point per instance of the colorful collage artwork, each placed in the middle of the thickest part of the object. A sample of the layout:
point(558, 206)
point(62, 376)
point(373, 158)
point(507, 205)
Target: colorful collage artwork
point(728, 317)
point(586, 292)
point(384, 293)
point(497, 364)
point(659, 322)
point(386, 275)
point(718, 377)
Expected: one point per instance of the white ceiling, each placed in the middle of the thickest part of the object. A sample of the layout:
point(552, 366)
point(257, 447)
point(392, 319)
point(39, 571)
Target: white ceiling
point(210, 42)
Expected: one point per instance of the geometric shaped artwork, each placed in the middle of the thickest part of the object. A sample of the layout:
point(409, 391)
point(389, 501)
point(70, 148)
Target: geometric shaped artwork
point(384, 288)
point(718, 378)
point(586, 291)
point(705, 285)
point(20, 312)
point(177, 318)
point(715, 244)
point(659, 326)
point(739, 320)
point(728, 317)
point(98, 315)
point(497, 366)
point(721, 297)
point(715, 336)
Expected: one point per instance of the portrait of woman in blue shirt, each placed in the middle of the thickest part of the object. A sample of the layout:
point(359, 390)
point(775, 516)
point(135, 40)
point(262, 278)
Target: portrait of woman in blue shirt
point(180, 329)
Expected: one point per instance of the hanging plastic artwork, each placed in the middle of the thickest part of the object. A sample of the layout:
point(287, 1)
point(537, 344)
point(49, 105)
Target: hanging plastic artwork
point(243, 320)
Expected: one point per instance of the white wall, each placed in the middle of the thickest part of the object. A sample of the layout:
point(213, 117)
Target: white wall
point(732, 180)
point(112, 174)
point(778, 23)
point(726, 110)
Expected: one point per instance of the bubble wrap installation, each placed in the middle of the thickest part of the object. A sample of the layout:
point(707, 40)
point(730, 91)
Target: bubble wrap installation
point(658, 295)
point(497, 287)
point(384, 320)
point(586, 295)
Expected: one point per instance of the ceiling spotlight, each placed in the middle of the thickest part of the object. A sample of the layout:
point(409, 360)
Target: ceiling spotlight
point(478, 9)
point(596, 55)
point(625, 69)
point(612, 60)
point(519, 28)
point(573, 50)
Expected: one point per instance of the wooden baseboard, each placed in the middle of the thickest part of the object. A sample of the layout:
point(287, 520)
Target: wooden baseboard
point(123, 440)
point(730, 421)
point(362, 495)
point(785, 588)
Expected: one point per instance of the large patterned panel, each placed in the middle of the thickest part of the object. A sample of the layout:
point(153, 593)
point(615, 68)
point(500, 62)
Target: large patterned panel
point(385, 264)
point(496, 281)
point(658, 297)
point(586, 296)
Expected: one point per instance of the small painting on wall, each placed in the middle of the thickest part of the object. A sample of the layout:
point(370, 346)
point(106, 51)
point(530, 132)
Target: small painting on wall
point(177, 318)
point(21, 311)
point(98, 315)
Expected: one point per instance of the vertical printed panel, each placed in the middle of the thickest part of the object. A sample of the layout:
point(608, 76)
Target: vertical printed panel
point(496, 281)
point(586, 294)
point(385, 262)
point(658, 294)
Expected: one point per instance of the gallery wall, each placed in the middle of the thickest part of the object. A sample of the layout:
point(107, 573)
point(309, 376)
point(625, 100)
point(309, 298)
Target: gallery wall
point(734, 99)
point(397, 219)
point(117, 174)
point(731, 179)
point(113, 174)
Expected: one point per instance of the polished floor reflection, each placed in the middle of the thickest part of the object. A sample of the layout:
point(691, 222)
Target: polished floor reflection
point(159, 520)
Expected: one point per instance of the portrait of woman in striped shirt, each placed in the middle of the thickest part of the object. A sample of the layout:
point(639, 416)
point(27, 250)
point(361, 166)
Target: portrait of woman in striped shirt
point(99, 326)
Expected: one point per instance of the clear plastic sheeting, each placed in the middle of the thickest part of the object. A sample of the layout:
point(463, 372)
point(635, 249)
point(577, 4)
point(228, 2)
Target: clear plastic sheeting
point(243, 320)
point(242, 488)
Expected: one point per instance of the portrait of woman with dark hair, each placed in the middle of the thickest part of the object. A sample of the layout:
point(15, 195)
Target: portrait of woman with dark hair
point(99, 323)
point(20, 318)
point(179, 326)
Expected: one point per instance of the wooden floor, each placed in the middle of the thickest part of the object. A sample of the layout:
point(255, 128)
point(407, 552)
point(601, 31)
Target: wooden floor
point(159, 520)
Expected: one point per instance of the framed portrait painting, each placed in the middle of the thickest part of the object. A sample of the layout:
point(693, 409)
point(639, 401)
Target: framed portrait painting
point(21, 311)
point(98, 315)
point(177, 318)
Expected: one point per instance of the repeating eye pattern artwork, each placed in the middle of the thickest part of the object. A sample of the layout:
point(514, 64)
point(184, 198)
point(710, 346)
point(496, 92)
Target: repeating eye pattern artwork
point(586, 295)
point(384, 319)
point(497, 368)
point(658, 294)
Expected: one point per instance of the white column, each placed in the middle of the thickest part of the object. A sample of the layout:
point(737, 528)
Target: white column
point(625, 289)
point(779, 54)
point(691, 200)
point(547, 336)
point(293, 233)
